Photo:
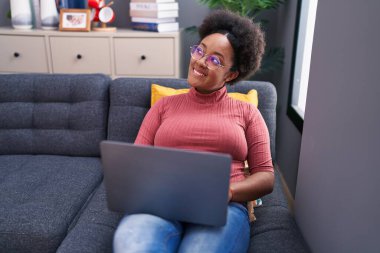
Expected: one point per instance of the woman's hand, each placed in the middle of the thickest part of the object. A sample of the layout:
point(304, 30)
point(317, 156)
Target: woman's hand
point(230, 194)
point(253, 187)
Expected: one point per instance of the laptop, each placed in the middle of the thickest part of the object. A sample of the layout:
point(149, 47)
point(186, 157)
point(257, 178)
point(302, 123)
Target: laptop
point(174, 184)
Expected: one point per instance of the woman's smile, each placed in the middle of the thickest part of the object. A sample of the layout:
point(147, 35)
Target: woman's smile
point(198, 73)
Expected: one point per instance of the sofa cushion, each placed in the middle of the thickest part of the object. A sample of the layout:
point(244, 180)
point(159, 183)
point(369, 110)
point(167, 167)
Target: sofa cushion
point(93, 233)
point(130, 101)
point(277, 196)
point(53, 114)
point(275, 229)
point(40, 198)
point(159, 92)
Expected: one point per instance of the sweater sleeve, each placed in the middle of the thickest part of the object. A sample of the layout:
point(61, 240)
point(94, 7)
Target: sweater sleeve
point(257, 134)
point(150, 124)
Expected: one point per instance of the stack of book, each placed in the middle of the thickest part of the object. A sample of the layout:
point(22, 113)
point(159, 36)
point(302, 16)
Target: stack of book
point(154, 15)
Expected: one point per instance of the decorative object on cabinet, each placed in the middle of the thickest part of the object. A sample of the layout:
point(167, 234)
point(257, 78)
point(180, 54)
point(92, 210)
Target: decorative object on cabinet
point(71, 4)
point(75, 20)
point(153, 1)
point(63, 4)
point(100, 12)
point(49, 14)
point(154, 15)
point(36, 14)
point(21, 12)
point(95, 6)
point(155, 27)
point(76, 4)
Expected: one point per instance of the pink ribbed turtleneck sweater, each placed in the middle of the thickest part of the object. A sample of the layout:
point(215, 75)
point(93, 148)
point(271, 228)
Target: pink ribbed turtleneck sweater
point(210, 122)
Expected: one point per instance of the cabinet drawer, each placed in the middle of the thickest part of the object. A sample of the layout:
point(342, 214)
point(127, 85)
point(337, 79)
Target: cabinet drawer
point(23, 54)
point(80, 55)
point(144, 56)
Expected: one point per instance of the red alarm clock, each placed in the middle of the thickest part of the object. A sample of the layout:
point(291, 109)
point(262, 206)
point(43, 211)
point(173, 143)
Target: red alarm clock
point(106, 15)
point(100, 11)
point(96, 3)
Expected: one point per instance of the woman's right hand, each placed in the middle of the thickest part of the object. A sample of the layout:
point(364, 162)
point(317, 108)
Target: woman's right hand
point(230, 194)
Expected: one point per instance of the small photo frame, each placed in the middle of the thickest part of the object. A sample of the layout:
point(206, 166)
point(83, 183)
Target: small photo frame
point(75, 20)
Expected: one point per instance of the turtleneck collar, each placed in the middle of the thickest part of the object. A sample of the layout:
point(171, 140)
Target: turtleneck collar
point(209, 98)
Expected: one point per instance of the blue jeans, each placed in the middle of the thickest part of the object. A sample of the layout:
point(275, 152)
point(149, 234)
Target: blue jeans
point(148, 233)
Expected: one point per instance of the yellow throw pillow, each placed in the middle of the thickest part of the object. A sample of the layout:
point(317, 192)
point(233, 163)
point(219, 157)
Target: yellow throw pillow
point(159, 91)
point(250, 97)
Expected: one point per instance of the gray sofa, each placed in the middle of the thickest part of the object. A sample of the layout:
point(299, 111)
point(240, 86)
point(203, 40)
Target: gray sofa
point(52, 197)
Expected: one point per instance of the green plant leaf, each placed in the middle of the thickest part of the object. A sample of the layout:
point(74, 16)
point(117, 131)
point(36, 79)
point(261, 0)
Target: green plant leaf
point(211, 3)
point(191, 29)
point(272, 61)
point(9, 15)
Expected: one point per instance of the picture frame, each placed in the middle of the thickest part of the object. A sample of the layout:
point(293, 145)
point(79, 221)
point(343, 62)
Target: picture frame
point(77, 20)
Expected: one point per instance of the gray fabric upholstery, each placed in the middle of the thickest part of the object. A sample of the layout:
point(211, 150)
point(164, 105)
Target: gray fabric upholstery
point(40, 197)
point(130, 100)
point(95, 228)
point(275, 229)
point(277, 197)
point(48, 124)
point(50, 192)
point(53, 114)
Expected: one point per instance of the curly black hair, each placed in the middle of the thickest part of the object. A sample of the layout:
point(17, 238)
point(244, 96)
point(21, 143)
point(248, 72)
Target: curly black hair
point(246, 38)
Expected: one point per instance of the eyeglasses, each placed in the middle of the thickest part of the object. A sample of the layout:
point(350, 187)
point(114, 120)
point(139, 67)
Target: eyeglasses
point(212, 61)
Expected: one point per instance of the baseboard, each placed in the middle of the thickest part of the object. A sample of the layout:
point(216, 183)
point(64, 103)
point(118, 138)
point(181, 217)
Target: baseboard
point(288, 195)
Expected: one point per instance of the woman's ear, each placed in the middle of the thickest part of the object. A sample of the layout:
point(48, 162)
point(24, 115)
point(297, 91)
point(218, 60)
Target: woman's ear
point(231, 76)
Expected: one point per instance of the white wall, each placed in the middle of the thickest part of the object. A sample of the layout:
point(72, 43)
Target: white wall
point(337, 197)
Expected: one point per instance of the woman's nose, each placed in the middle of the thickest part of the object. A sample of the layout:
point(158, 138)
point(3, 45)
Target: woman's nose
point(203, 61)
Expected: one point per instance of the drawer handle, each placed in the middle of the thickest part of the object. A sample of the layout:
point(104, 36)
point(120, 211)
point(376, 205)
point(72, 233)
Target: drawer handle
point(79, 56)
point(16, 54)
point(143, 57)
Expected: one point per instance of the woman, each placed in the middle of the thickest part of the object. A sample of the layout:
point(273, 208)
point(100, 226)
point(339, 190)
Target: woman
point(206, 119)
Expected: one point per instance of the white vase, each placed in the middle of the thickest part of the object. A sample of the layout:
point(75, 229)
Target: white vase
point(36, 13)
point(49, 15)
point(21, 14)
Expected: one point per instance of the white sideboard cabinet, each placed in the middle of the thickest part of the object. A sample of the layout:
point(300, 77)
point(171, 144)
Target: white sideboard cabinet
point(124, 53)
